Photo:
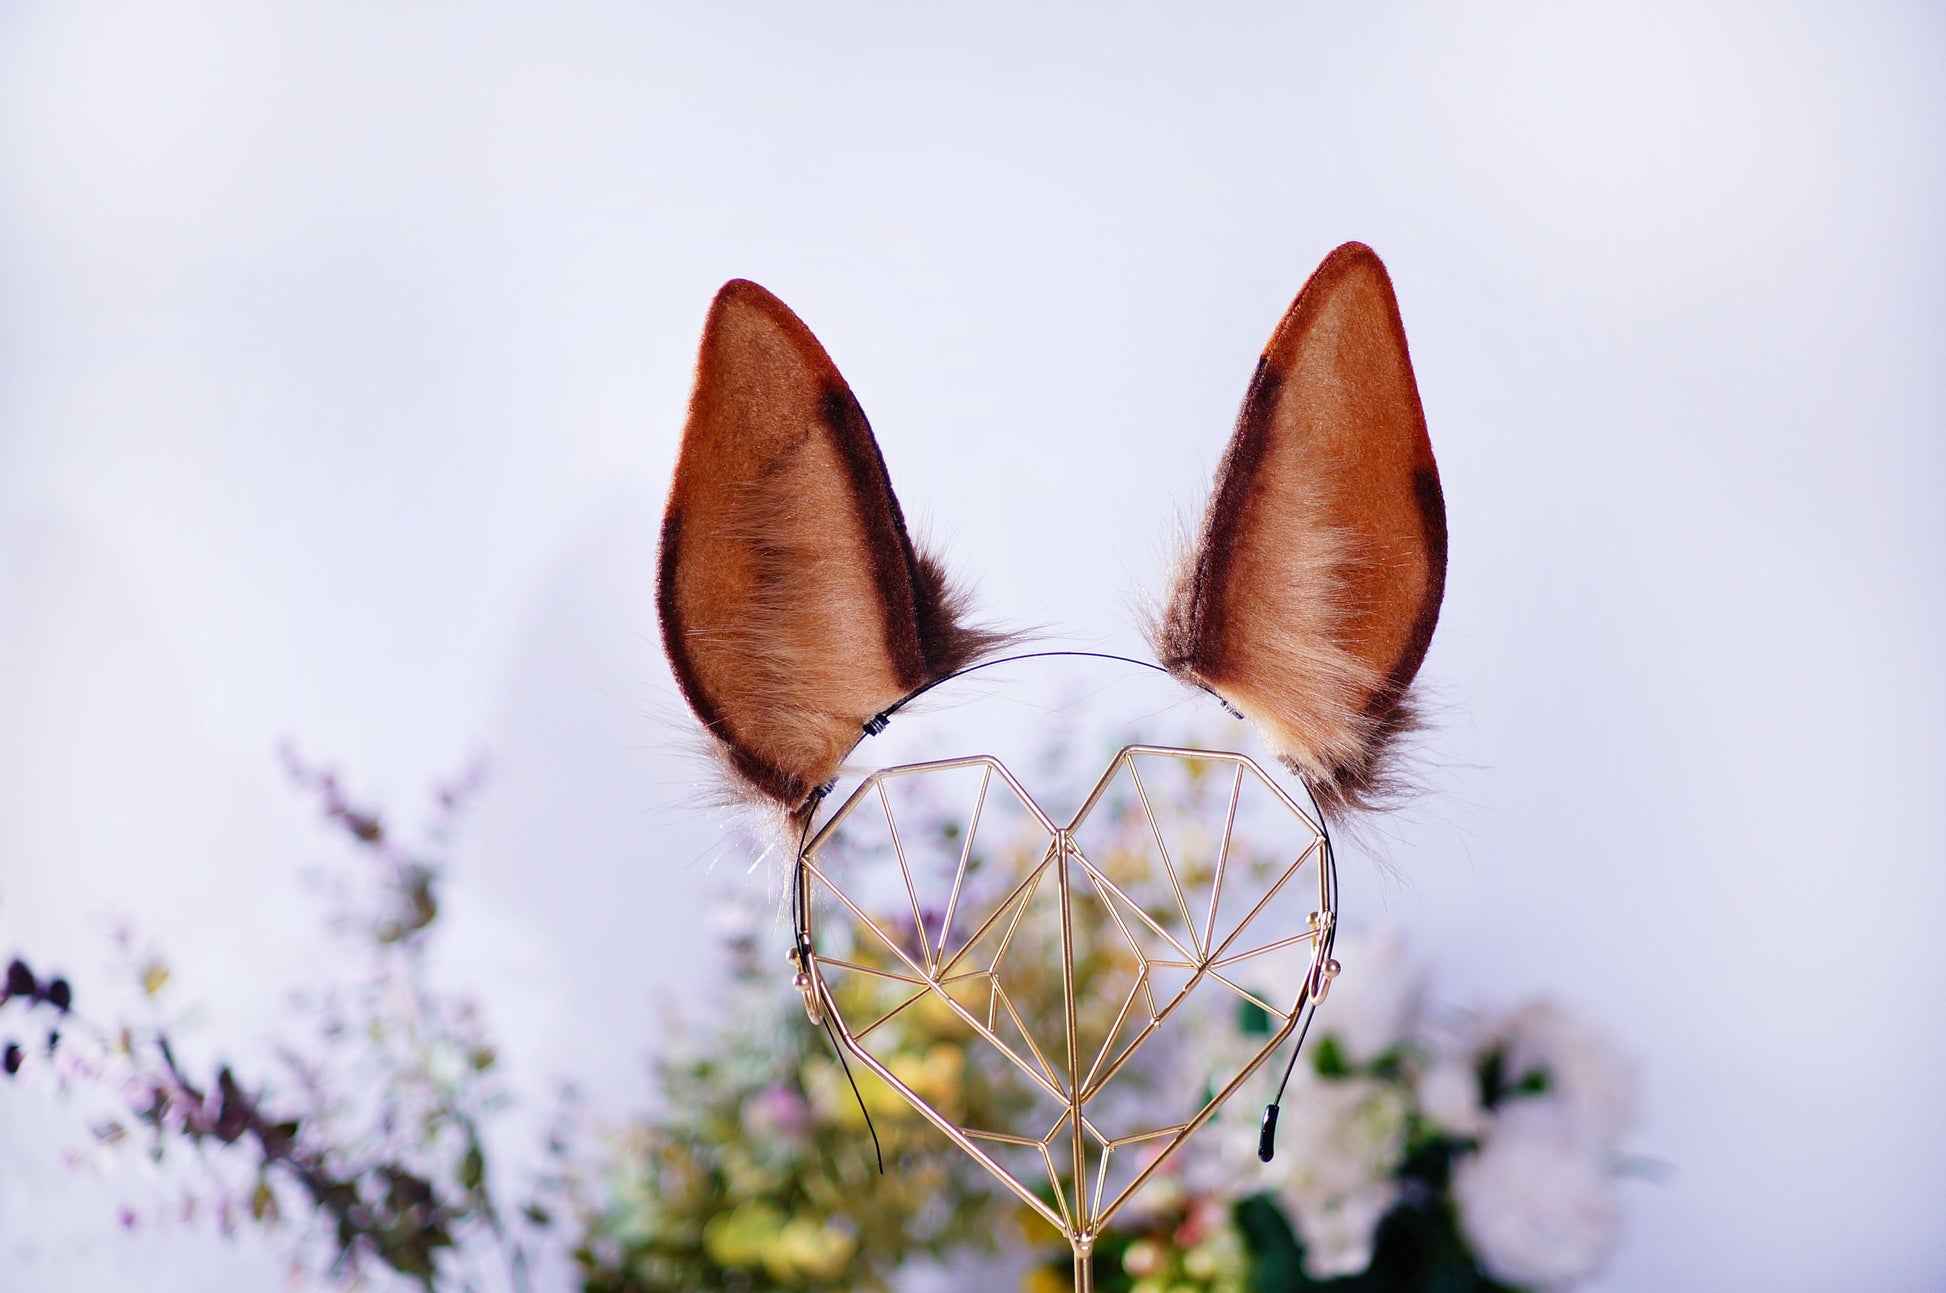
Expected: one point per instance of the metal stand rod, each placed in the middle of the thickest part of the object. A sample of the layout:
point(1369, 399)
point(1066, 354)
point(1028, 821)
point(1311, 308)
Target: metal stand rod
point(1084, 1268)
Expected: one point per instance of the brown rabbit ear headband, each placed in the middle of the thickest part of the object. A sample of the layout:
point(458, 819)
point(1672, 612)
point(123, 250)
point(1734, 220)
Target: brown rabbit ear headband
point(798, 614)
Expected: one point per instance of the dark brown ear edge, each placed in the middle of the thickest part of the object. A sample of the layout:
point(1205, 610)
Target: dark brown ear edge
point(1374, 782)
point(762, 777)
point(1432, 520)
point(1191, 631)
point(923, 635)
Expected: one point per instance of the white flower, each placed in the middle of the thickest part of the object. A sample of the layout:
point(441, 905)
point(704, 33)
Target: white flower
point(1339, 1233)
point(1591, 1083)
point(445, 1065)
point(1536, 1201)
point(1449, 1096)
point(1374, 998)
point(1339, 1142)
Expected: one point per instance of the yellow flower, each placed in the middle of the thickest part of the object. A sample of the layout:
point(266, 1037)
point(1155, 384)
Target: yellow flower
point(1035, 1230)
point(806, 1251)
point(1045, 1279)
point(935, 1077)
point(824, 1082)
point(933, 1015)
point(743, 1235)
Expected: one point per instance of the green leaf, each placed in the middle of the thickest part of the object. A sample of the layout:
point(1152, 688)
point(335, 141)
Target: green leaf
point(1493, 1078)
point(1252, 1019)
point(472, 1168)
point(1276, 1260)
point(263, 1204)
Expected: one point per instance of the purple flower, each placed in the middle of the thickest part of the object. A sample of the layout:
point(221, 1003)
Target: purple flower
point(776, 1111)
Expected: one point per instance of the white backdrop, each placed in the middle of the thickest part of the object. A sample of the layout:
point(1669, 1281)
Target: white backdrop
point(343, 350)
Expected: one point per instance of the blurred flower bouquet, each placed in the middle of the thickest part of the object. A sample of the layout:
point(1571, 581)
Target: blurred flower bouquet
point(1419, 1150)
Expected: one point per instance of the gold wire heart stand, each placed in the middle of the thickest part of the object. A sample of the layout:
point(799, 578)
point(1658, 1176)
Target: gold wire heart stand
point(1180, 936)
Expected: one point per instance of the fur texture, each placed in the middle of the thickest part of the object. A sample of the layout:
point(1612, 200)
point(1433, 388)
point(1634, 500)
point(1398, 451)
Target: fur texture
point(794, 605)
point(1312, 591)
point(1288, 672)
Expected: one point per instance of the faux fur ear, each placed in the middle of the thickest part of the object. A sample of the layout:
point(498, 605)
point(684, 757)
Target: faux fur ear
point(1312, 592)
point(794, 606)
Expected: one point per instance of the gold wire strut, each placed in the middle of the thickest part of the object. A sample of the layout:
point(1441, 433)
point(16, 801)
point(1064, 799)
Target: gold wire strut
point(1077, 1212)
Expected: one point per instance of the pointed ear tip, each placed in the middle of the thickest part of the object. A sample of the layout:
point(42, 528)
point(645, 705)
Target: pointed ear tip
point(741, 292)
point(742, 309)
point(1349, 260)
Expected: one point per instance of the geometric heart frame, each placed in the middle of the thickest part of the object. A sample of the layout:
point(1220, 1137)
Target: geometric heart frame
point(1158, 917)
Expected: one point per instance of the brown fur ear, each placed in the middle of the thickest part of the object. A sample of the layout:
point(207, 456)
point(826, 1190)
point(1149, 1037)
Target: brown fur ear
point(1313, 590)
point(794, 606)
